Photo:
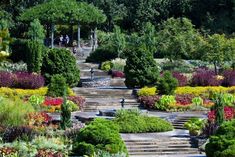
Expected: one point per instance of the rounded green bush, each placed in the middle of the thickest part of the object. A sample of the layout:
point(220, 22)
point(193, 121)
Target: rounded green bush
point(61, 61)
point(84, 148)
point(57, 86)
point(167, 84)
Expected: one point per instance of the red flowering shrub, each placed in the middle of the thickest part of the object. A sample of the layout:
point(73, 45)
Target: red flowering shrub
point(118, 74)
point(48, 153)
point(7, 151)
point(182, 80)
point(53, 101)
point(203, 77)
point(229, 78)
point(229, 114)
point(184, 100)
point(149, 101)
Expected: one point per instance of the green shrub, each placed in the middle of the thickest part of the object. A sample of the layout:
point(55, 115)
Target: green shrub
point(147, 91)
point(36, 31)
point(14, 112)
point(223, 142)
point(141, 69)
point(103, 134)
point(34, 56)
point(166, 102)
point(18, 47)
point(167, 84)
point(130, 121)
point(195, 126)
point(84, 148)
point(65, 114)
point(106, 66)
point(61, 61)
point(102, 54)
point(57, 86)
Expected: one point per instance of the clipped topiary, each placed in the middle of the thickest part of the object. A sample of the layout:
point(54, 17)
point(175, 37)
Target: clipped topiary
point(61, 61)
point(34, 56)
point(141, 69)
point(57, 86)
point(167, 84)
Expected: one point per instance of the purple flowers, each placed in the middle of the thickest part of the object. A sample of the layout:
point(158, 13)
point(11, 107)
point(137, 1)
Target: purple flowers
point(22, 80)
point(229, 78)
point(181, 78)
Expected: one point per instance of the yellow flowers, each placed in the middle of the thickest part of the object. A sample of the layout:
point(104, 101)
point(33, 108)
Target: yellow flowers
point(11, 92)
point(3, 55)
point(196, 91)
point(147, 91)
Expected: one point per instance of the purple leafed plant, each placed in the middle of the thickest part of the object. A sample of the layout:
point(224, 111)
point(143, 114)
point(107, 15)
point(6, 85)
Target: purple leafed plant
point(229, 78)
point(181, 78)
point(204, 77)
point(22, 80)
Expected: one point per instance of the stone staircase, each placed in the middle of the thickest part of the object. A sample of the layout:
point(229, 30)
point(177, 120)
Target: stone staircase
point(161, 146)
point(179, 121)
point(106, 98)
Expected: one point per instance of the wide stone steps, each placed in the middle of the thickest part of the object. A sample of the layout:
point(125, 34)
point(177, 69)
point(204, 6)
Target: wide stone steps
point(83, 65)
point(97, 73)
point(162, 146)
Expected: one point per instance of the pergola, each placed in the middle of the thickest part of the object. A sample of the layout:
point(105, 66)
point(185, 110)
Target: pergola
point(65, 12)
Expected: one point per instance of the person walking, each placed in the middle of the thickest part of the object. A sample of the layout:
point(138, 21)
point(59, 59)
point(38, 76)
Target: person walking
point(60, 40)
point(66, 40)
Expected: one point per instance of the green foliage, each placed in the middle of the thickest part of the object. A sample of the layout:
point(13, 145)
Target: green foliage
point(65, 113)
point(141, 69)
point(178, 39)
point(34, 56)
point(102, 54)
point(14, 112)
point(61, 61)
point(118, 41)
point(165, 102)
point(18, 47)
point(12, 67)
point(228, 99)
point(198, 101)
point(36, 101)
point(84, 148)
point(63, 11)
point(147, 91)
point(167, 84)
point(57, 86)
point(222, 143)
point(4, 36)
point(130, 121)
point(195, 126)
point(106, 66)
point(36, 31)
point(218, 49)
point(219, 108)
point(103, 134)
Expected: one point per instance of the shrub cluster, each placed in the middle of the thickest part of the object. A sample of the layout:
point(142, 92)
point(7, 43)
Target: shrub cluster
point(222, 144)
point(102, 54)
point(100, 134)
point(167, 84)
point(21, 80)
point(57, 86)
point(132, 122)
point(60, 61)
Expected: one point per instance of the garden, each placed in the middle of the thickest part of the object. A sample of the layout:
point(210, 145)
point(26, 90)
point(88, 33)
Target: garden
point(173, 58)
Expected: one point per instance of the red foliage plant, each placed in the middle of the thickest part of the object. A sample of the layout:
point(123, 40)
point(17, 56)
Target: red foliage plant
point(229, 113)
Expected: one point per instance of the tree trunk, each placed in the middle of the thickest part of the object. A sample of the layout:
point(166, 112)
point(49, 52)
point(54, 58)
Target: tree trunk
point(52, 35)
point(71, 31)
point(79, 36)
point(215, 67)
point(95, 39)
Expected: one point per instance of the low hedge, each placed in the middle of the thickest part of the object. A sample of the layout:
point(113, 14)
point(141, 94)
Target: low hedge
point(130, 121)
point(11, 92)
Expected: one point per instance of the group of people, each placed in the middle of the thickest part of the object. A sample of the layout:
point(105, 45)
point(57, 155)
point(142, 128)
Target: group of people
point(64, 40)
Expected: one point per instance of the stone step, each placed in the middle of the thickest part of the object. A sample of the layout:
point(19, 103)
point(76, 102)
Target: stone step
point(83, 65)
point(162, 142)
point(93, 96)
point(117, 82)
point(171, 153)
point(185, 145)
point(106, 92)
point(158, 149)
